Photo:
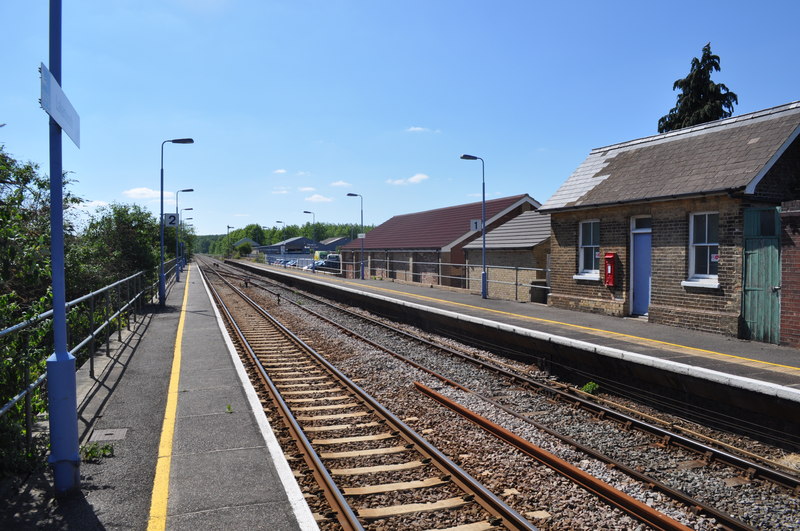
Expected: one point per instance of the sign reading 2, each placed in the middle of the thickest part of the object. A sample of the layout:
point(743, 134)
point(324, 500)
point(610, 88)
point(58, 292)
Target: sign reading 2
point(170, 220)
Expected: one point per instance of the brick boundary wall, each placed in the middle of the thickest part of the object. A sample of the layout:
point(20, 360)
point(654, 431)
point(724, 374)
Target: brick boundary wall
point(790, 274)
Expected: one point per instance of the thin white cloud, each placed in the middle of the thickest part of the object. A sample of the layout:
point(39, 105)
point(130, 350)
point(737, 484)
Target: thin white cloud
point(414, 179)
point(303, 173)
point(241, 215)
point(317, 198)
point(417, 129)
point(145, 193)
point(279, 171)
point(306, 189)
point(341, 183)
point(92, 205)
point(280, 192)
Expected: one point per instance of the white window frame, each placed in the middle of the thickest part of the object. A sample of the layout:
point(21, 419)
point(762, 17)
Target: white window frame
point(584, 273)
point(696, 280)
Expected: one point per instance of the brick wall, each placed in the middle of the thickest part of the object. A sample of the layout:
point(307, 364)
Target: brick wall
point(790, 274)
point(506, 280)
point(588, 295)
point(714, 310)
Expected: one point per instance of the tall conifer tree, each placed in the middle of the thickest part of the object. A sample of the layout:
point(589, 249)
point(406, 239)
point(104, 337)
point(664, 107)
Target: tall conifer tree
point(701, 100)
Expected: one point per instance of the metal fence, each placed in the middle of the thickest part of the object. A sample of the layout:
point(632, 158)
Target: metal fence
point(91, 318)
point(529, 284)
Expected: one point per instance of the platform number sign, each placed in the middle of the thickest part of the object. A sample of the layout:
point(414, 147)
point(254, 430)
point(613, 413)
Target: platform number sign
point(170, 220)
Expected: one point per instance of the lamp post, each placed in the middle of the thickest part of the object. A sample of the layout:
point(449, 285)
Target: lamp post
point(162, 280)
point(282, 230)
point(351, 194)
point(227, 239)
point(313, 237)
point(180, 262)
point(177, 229)
point(313, 224)
point(484, 288)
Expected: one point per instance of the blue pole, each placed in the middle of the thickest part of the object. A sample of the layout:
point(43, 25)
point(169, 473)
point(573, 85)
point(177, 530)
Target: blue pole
point(362, 236)
point(484, 286)
point(61, 386)
point(177, 227)
point(162, 284)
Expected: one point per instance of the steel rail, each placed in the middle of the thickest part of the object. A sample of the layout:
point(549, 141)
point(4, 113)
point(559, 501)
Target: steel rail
point(344, 513)
point(606, 492)
point(677, 495)
point(749, 467)
point(484, 497)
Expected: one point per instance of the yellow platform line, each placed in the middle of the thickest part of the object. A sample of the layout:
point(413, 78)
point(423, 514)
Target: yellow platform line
point(160, 496)
point(644, 340)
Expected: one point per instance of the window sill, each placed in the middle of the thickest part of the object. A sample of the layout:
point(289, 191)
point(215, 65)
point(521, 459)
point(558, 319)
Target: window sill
point(595, 277)
point(701, 283)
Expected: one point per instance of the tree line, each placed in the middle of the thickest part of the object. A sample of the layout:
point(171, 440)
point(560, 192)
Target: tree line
point(115, 242)
point(223, 244)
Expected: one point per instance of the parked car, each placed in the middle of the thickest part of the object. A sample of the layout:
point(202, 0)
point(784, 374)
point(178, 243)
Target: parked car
point(316, 264)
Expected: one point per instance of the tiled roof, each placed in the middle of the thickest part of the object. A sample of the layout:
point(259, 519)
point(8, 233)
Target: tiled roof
point(434, 229)
point(335, 239)
point(718, 156)
point(525, 231)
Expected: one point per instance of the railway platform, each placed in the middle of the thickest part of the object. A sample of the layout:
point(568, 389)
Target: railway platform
point(725, 382)
point(692, 350)
point(191, 446)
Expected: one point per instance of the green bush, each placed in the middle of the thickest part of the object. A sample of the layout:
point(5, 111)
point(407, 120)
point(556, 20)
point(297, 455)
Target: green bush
point(591, 388)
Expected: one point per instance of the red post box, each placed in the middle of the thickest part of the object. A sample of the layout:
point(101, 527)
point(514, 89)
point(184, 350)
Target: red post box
point(610, 269)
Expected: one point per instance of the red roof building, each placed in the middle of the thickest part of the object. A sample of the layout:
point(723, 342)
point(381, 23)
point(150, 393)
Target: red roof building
point(416, 245)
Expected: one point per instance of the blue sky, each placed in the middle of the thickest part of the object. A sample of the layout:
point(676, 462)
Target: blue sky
point(295, 103)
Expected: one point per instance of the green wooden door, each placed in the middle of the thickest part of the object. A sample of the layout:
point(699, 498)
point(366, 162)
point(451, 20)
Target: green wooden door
point(761, 307)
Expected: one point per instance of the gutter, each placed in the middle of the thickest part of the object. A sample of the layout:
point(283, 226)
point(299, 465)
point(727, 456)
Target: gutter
point(726, 191)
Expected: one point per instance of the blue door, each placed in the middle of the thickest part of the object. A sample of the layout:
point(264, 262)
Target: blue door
point(641, 272)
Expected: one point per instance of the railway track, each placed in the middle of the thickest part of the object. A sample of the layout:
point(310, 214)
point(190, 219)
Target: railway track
point(370, 465)
point(703, 458)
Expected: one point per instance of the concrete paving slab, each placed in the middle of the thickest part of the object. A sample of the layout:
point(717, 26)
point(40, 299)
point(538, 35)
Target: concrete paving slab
point(212, 400)
point(222, 479)
point(205, 379)
point(221, 431)
point(270, 516)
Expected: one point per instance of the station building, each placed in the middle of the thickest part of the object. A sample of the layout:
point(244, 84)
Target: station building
point(685, 228)
point(428, 247)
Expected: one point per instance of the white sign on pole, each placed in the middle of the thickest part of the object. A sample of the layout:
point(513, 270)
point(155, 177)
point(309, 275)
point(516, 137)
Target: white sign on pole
point(474, 224)
point(56, 104)
point(170, 220)
point(362, 235)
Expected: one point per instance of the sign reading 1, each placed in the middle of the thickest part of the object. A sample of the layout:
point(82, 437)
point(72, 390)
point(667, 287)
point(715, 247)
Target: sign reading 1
point(170, 220)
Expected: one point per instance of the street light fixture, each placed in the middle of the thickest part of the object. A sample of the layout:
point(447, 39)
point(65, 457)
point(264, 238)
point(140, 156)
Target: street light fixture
point(351, 194)
point(282, 238)
point(162, 280)
point(313, 224)
point(484, 288)
point(177, 229)
point(227, 239)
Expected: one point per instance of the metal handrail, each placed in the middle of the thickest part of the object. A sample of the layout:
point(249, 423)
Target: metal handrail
point(137, 297)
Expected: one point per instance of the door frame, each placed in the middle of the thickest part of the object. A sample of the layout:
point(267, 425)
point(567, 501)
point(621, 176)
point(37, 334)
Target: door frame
point(771, 332)
point(634, 230)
